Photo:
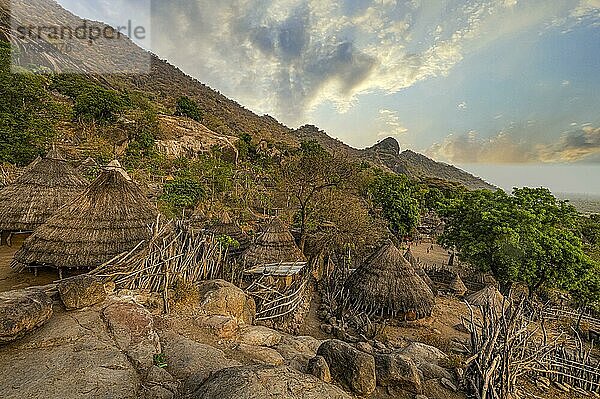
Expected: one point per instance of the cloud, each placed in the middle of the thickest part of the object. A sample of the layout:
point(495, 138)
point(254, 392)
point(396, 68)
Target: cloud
point(574, 146)
point(389, 124)
point(287, 57)
point(462, 105)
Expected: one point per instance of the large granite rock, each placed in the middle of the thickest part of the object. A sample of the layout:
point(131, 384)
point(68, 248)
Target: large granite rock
point(218, 297)
point(259, 336)
point(72, 357)
point(318, 367)
point(21, 312)
point(133, 331)
point(397, 370)
point(191, 361)
point(81, 291)
point(265, 382)
point(261, 354)
point(350, 367)
point(422, 353)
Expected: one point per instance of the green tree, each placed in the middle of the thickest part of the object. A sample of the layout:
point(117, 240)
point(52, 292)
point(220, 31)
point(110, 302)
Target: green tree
point(28, 114)
point(187, 107)
point(96, 104)
point(528, 237)
point(395, 196)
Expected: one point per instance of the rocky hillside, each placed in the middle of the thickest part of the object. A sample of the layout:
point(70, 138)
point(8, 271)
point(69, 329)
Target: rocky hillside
point(165, 82)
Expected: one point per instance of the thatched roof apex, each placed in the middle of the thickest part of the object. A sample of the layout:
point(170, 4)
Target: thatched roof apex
point(386, 284)
point(111, 217)
point(116, 166)
point(457, 286)
point(45, 186)
point(274, 244)
point(488, 296)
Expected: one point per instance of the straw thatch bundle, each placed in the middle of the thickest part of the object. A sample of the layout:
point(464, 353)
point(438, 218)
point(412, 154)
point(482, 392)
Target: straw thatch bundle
point(488, 296)
point(457, 286)
point(408, 255)
point(45, 186)
point(274, 244)
point(387, 286)
point(112, 216)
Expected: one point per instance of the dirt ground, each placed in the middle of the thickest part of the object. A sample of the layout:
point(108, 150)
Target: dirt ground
point(423, 252)
point(9, 280)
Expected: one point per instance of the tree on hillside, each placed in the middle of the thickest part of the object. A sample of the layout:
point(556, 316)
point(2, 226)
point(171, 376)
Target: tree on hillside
point(28, 114)
point(528, 237)
point(97, 104)
point(397, 200)
point(306, 174)
point(187, 107)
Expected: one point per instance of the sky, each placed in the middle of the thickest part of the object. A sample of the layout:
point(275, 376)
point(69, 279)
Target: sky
point(506, 89)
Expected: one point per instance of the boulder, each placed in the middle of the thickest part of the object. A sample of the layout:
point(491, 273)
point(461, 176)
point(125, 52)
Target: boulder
point(318, 367)
point(161, 377)
point(350, 367)
point(265, 382)
point(73, 356)
point(259, 336)
point(261, 354)
point(399, 371)
point(192, 361)
point(218, 297)
point(224, 327)
point(21, 312)
point(133, 330)
point(421, 353)
point(431, 371)
point(81, 291)
point(364, 347)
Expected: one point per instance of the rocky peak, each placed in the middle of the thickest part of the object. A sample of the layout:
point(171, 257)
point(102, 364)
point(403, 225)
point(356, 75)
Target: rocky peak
point(388, 145)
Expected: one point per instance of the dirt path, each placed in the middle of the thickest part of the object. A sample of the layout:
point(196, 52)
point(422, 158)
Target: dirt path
point(9, 280)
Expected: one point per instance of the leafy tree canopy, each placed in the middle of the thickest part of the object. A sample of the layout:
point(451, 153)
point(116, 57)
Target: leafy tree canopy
point(528, 237)
point(398, 201)
point(187, 107)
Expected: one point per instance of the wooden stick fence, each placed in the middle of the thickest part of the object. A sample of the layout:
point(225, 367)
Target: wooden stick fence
point(274, 304)
point(564, 313)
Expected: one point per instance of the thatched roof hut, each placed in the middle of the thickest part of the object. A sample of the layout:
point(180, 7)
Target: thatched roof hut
point(408, 255)
point(45, 186)
point(111, 217)
point(386, 285)
point(457, 286)
point(488, 296)
point(225, 226)
point(274, 244)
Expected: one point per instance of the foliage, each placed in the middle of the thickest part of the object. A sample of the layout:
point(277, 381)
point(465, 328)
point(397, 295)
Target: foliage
point(187, 107)
point(28, 115)
point(526, 237)
point(227, 242)
point(183, 192)
point(96, 104)
point(395, 196)
point(307, 173)
point(160, 360)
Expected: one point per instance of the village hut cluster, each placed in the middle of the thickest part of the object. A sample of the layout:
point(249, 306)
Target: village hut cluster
point(76, 226)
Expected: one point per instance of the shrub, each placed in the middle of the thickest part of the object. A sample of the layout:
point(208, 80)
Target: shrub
point(187, 107)
point(96, 104)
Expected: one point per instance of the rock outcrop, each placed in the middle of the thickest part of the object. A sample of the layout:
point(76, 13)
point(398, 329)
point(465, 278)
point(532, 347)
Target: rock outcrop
point(397, 370)
point(21, 312)
point(218, 297)
point(81, 291)
point(350, 367)
point(265, 382)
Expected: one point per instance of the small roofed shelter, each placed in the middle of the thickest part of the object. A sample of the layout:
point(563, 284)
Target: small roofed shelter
point(488, 296)
point(457, 287)
point(408, 255)
point(225, 226)
point(387, 286)
point(275, 245)
point(111, 217)
point(46, 185)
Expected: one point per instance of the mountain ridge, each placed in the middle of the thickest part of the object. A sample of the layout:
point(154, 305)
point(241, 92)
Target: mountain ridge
point(223, 115)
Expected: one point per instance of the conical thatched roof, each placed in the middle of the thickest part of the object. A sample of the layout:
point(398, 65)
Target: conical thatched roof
point(386, 285)
point(274, 244)
point(225, 226)
point(457, 286)
point(408, 255)
point(45, 186)
point(112, 216)
point(488, 296)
